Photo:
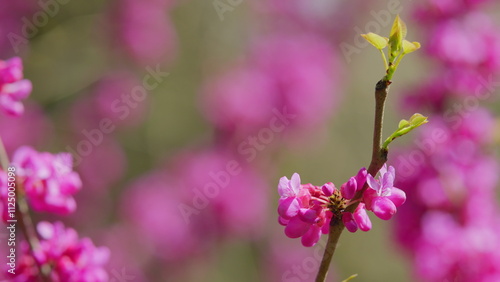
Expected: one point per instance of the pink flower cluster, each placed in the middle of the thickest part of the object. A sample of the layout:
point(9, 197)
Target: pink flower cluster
point(144, 30)
point(450, 224)
point(292, 73)
point(69, 258)
point(307, 210)
point(303, 209)
point(13, 88)
point(203, 195)
point(451, 207)
point(47, 180)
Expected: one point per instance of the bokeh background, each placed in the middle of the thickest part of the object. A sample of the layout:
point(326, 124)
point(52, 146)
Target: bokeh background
point(229, 65)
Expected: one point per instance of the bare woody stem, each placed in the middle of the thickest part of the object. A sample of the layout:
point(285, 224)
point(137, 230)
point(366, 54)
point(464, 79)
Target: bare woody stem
point(379, 157)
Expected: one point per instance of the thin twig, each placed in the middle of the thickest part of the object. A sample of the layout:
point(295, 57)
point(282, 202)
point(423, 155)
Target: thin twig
point(379, 157)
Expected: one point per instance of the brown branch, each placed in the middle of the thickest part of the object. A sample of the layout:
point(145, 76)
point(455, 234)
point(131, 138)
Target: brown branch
point(379, 157)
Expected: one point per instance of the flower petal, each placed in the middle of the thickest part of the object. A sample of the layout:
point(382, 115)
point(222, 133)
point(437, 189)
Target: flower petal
point(308, 215)
point(383, 169)
point(283, 221)
point(288, 207)
point(361, 178)
point(349, 222)
point(368, 197)
point(398, 196)
point(328, 189)
point(349, 188)
point(383, 208)
point(283, 189)
point(387, 179)
point(295, 183)
point(361, 218)
point(296, 228)
point(312, 236)
point(373, 183)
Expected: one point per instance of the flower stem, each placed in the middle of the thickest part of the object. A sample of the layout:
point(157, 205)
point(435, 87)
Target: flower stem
point(331, 245)
point(379, 157)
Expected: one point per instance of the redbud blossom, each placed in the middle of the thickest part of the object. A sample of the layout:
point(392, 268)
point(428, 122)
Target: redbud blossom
point(13, 88)
point(382, 197)
point(70, 258)
point(47, 179)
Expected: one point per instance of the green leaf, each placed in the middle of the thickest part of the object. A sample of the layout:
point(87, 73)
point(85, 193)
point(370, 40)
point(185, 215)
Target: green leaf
point(409, 47)
point(417, 120)
point(396, 37)
point(406, 126)
point(376, 40)
point(403, 123)
point(350, 278)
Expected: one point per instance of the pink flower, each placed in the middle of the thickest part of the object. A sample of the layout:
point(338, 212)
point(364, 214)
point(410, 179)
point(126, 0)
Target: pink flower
point(382, 197)
point(4, 195)
point(151, 204)
point(226, 193)
point(47, 179)
point(296, 73)
point(303, 209)
point(354, 184)
point(70, 258)
point(145, 31)
point(357, 219)
point(13, 88)
point(115, 97)
point(33, 128)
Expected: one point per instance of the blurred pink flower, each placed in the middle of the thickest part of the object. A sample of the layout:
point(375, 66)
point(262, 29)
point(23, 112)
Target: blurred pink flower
point(70, 258)
point(285, 261)
point(297, 73)
point(103, 167)
point(145, 31)
point(216, 179)
point(450, 249)
point(151, 206)
point(15, 33)
point(4, 204)
point(470, 42)
point(13, 88)
point(47, 179)
point(429, 11)
point(33, 128)
point(110, 99)
point(122, 240)
point(312, 17)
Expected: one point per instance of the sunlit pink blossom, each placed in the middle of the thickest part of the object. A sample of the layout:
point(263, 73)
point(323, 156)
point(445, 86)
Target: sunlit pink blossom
point(47, 179)
point(13, 88)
